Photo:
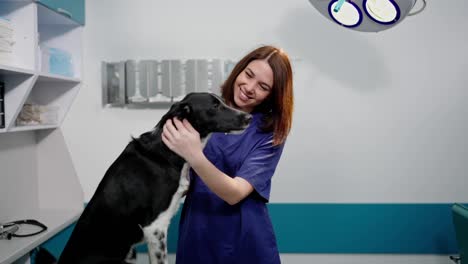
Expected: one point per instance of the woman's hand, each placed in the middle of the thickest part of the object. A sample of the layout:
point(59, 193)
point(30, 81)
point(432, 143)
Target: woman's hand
point(182, 138)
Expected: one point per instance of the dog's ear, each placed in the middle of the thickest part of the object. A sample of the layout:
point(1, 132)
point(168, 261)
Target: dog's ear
point(180, 110)
point(186, 110)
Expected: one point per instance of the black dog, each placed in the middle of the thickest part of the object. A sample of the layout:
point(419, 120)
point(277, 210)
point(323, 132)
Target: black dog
point(140, 192)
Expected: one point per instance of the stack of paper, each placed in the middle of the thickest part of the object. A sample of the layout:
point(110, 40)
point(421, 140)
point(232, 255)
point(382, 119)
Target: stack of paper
point(6, 40)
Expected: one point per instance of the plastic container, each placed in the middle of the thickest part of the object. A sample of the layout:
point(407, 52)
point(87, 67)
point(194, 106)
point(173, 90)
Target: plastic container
point(56, 61)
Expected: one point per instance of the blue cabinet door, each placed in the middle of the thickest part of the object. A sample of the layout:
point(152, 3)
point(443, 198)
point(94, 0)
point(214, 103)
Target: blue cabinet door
point(74, 9)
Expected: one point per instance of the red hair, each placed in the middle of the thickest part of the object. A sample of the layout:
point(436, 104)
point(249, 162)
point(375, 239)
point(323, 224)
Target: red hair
point(278, 106)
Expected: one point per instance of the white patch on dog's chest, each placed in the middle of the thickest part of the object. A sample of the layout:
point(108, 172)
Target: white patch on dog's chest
point(156, 233)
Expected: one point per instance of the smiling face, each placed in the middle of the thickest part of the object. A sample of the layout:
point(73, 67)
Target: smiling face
point(253, 85)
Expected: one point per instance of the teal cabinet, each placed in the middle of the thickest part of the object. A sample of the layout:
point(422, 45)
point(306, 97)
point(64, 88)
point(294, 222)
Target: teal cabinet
point(74, 9)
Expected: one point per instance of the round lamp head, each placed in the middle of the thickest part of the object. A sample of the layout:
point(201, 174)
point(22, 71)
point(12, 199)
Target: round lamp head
point(365, 15)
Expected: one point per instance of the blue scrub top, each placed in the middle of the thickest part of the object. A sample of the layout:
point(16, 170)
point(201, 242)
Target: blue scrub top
point(212, 231)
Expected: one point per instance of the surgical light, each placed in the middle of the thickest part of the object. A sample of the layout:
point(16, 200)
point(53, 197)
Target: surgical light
point(367, 15)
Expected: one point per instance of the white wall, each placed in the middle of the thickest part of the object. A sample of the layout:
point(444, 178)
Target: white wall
point(379, 117)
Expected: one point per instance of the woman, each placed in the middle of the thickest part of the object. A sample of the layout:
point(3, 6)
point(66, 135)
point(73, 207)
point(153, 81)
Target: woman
point(224, 218)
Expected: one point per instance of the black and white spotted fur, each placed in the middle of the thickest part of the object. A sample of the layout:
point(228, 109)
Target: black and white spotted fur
point(140, 192)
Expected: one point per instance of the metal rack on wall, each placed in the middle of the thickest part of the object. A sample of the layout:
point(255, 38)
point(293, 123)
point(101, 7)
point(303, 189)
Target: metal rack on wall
point(2, 104)
point(152, 83)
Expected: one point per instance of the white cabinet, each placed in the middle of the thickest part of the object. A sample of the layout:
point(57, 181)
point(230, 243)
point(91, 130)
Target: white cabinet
point(37, 177)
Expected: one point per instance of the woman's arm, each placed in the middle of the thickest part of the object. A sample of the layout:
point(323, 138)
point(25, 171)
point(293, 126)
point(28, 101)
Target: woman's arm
point(184, 140)
point(231, 190)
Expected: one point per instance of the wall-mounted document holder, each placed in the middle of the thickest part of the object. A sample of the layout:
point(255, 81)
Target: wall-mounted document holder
point(147, 83)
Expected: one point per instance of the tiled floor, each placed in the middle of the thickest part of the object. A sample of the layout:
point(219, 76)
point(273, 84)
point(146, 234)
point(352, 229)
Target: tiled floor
point(143, 258)
point(343, 259)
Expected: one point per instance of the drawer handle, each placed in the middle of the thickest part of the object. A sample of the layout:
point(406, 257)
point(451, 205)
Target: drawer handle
point(64, 12)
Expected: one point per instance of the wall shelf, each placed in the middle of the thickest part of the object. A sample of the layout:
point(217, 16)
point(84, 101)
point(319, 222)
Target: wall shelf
point(5, 69)
point(48, 77)
point(37, 127)
point(38, 179)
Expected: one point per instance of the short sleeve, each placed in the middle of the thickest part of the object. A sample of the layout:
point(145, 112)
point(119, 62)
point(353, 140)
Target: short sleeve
point(260, 165)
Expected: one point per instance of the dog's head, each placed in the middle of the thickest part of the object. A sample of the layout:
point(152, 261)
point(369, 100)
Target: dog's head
point(208, 113)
